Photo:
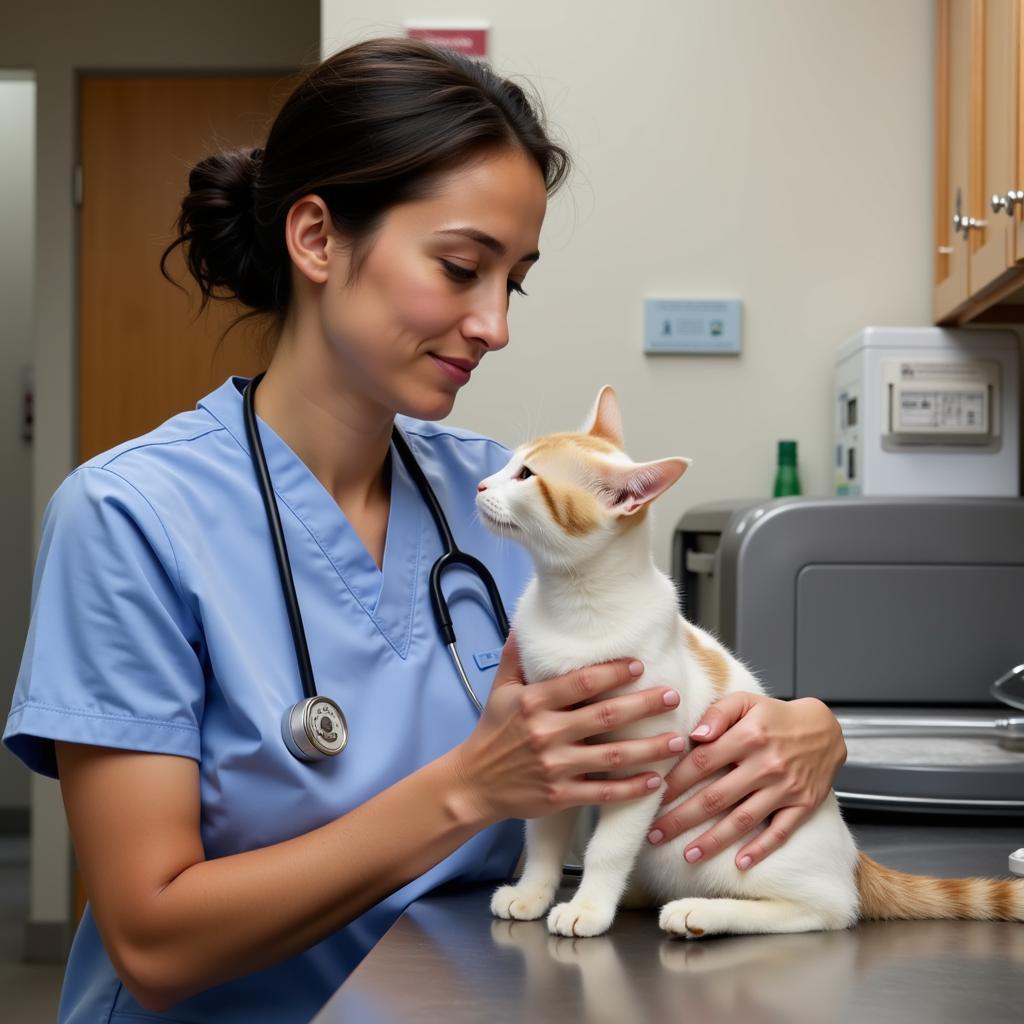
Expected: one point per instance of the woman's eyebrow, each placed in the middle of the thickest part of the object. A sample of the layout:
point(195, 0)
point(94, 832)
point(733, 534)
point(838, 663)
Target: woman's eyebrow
point(486, 240)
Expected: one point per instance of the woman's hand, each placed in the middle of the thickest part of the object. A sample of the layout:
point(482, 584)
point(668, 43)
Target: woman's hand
point(528, 755)
point(784, 757)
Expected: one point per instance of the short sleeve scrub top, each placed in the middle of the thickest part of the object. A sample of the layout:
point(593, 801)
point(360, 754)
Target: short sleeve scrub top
point(158, 625)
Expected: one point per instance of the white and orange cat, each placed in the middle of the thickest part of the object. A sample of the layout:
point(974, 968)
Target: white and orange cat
point(579, 505)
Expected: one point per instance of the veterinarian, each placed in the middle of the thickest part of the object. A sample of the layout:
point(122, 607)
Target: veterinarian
point(237, 867)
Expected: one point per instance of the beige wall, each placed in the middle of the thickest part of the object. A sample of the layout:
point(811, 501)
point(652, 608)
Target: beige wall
point(56, 40)
point(775, 151)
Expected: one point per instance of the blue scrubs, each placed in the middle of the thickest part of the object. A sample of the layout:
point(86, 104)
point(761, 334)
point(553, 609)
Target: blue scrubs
point(158, 625)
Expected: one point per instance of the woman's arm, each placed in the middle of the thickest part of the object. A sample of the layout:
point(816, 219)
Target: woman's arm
point(174, 923)
point(784, 756)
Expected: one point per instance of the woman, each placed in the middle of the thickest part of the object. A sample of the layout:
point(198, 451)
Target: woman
point(397, 203)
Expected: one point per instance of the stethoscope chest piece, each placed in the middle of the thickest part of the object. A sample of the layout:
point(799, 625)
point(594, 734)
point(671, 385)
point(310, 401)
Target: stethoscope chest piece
point(314, 729)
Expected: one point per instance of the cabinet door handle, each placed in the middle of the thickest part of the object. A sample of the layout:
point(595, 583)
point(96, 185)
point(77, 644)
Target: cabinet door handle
point(1008, 202)
point(963, 225)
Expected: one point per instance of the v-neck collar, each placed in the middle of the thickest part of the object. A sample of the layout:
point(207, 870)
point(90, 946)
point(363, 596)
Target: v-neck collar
point(387, 596)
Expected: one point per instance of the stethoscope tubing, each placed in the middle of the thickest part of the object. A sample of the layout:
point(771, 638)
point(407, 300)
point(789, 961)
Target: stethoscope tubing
point(284, 567)
point(452, 555)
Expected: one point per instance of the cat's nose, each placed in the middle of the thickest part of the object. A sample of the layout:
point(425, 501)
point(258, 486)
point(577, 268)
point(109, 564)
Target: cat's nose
point(481, 487)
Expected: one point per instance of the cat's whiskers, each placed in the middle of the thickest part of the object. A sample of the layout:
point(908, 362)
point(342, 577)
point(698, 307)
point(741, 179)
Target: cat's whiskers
point(501, 536)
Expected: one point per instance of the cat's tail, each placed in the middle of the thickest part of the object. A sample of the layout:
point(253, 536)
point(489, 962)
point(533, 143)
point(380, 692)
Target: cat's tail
point(887, 895)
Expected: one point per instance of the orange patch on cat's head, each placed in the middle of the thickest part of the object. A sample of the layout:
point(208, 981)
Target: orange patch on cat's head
point(575, 510)
point(571, 443)
point(587, 481)
point(582, 482)
point(564, 465)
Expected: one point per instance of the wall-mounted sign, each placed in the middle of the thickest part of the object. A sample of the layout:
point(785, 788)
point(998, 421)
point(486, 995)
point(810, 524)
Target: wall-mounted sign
point(469, 39)
point(696, 326)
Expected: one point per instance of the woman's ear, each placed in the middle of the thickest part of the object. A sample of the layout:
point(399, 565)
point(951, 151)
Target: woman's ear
point(309, 235)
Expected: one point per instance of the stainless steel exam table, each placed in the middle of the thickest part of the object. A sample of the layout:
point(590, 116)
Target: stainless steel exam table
point(446, 960)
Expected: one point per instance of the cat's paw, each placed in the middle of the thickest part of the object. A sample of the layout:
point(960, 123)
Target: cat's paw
point(580, 918)
point(690, 918)
point(522, 902)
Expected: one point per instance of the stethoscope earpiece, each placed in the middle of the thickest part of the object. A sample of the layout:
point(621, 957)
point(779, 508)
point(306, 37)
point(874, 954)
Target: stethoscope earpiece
point(314, 729)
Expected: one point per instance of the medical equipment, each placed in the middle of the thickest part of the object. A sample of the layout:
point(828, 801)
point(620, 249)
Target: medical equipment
point(898, 613)
point(1009, 732)
point(315, 728)
point(927, 410)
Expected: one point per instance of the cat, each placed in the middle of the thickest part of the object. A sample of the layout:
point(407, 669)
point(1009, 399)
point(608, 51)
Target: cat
point(580, 507)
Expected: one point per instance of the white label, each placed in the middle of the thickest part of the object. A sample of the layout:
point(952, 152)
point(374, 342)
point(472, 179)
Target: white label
point(960, 411)
point(940, 403)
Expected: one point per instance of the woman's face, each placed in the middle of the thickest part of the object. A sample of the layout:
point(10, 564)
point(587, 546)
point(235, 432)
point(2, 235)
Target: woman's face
point(431, 299)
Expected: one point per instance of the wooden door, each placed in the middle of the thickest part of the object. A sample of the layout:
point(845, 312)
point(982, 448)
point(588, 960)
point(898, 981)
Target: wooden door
point(952, 153)
point(994, 143)
point(142, 354)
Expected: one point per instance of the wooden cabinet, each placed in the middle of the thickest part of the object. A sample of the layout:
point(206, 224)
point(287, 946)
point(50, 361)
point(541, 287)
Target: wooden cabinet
point(979, 145)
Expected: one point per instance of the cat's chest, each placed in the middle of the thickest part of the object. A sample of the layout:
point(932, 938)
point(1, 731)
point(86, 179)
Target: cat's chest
point(551, 646)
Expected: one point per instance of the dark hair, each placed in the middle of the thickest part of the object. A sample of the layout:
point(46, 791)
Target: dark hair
point(375, 125)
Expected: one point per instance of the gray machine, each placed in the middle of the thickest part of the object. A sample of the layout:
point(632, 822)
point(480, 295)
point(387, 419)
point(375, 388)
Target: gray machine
point(899, 613)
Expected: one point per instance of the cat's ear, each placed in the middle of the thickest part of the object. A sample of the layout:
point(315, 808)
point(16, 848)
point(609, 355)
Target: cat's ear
point(633, 487)
point(605, 420)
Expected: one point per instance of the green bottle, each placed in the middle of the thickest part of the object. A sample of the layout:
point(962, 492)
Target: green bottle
point(787, 480)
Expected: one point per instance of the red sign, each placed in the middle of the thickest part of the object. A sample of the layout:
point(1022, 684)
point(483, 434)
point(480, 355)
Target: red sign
point(470, 41)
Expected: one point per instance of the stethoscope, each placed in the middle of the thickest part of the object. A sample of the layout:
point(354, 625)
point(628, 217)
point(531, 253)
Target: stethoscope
point(315, 728)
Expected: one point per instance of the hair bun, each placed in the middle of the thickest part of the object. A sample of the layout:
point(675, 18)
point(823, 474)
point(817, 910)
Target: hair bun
point(218, 225)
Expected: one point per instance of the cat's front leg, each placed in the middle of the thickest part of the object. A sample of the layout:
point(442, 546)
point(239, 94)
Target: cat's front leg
point(611, 854)
point(547, 840)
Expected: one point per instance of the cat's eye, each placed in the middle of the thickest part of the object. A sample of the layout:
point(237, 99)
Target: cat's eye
point(524, 474)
